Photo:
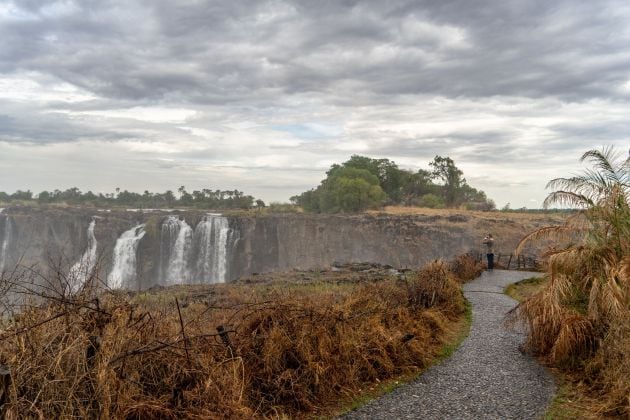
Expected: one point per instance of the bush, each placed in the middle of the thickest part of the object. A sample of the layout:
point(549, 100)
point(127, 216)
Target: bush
point(431, 201)
point(275, 207)
point(466, 267)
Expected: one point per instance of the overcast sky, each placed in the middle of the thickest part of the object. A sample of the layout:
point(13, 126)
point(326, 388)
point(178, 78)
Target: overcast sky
point(263, 96)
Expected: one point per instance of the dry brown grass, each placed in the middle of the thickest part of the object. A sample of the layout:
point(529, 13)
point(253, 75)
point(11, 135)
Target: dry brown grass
point(512, 215)
point(580, 322)
point(288, 350)
point(466, 267)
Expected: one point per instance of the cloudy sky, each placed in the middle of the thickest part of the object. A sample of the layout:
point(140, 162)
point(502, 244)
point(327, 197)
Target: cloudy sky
point(263, 96)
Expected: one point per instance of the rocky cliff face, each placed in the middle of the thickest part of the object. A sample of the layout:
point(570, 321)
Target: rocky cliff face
point(281, 242)
point(192, 246)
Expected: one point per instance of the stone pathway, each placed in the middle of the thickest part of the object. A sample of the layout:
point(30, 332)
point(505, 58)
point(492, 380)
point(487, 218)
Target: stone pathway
point(486, 378)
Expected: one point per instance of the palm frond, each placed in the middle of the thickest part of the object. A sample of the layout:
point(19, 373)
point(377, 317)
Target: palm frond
point(569, 198)
point(576, 183)
point(603, 160)
point(549, 232)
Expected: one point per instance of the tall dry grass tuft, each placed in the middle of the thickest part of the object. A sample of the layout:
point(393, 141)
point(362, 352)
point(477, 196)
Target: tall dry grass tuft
point(466, 267)
point(225, 351)
point(435, 285)
point(581, 320)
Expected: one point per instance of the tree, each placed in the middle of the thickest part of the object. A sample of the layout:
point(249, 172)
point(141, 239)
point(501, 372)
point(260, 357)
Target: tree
point(169, 197)
point(181, 190)
point(444, 169)
point(416, 185)
point(356, 194)
point(390, 177)
point(346, 189)
point(397, 186)
point(22, 195)
point(44, 197)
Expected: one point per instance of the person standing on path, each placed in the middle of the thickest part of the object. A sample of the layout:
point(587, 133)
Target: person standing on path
point(489, 242)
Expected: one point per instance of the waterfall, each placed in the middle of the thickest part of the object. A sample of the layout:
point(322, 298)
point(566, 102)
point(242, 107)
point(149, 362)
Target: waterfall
point(212, 236)
point(82, 269)
point(175, 246)
point(5, 241)
point(124, 269)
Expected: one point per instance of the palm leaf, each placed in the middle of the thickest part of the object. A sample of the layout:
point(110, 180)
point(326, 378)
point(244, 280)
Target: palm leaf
point(603, 160)
point(569, 198)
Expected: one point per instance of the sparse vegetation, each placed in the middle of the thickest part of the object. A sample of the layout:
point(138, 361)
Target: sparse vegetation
point(255, 348)
point(580, 322)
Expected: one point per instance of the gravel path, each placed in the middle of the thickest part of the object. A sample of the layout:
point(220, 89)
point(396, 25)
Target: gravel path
point(486, 378)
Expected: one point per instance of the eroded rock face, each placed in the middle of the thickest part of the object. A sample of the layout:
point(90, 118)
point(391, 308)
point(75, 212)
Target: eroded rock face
point(194, 246)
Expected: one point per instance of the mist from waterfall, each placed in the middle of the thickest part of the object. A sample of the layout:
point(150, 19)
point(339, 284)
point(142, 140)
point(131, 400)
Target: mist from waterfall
point(82, 269)
point(212, 236)
point(175, 249)
point(6, 239)
point(124, 259)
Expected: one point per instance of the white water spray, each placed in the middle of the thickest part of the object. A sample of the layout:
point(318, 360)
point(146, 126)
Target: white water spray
point(213, 235)
point(5, 241)
point(124, 268)
point(175, 244)
point(82, 269)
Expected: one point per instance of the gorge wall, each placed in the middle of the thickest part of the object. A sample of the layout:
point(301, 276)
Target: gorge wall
point(140, 249)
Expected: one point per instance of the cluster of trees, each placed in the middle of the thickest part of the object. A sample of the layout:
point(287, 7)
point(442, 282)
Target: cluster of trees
point(362, 182)
point(204, 199)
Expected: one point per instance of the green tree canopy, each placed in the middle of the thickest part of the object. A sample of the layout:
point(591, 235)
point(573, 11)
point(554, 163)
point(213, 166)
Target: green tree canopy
point(350, 186)
point(346, 189)
point(204, 199)
point(451, 176)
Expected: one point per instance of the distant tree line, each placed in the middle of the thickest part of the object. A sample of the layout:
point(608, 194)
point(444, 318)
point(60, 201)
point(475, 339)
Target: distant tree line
point(204, 199)
point(362, 182)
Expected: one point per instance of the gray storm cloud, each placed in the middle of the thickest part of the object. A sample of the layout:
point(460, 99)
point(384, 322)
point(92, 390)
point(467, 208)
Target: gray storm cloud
point(213, 92)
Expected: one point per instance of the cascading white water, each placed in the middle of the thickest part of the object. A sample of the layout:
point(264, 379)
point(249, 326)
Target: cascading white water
point(5, 241)
point(124, 269)
point(175, 246)
point(82, 269)
point(212, 235)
